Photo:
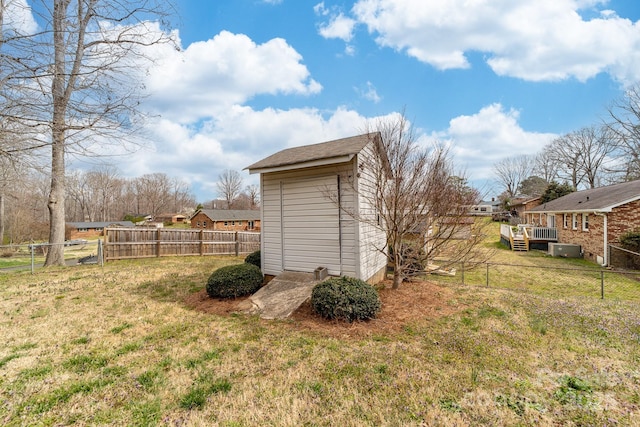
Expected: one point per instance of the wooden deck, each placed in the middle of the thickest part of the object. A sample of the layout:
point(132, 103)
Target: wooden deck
point(523, 236)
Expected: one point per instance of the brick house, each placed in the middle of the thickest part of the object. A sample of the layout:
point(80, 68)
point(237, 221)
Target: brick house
point(523, 204)
point(84, 230)
point(226, 220)
point(592, 218)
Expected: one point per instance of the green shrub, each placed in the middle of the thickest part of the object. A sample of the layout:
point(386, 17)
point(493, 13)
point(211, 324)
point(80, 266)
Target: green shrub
point(253, 258)
point(234, 280)
point(631, 240)
point(345, 298)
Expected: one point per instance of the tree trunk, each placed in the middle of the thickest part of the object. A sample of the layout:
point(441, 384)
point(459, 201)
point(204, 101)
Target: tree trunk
point(60, 98)
point(1, 215)
point(397, 279)
point(55, 256)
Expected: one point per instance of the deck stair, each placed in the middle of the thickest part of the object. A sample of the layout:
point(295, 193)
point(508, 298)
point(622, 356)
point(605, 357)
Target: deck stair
point(519, 244)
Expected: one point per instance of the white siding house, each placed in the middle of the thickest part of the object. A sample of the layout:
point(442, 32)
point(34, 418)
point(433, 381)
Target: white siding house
point(317, 210)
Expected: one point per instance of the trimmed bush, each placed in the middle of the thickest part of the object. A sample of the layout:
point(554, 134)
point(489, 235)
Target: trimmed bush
point(253, 258)
point(345, 298)
point(234, 281)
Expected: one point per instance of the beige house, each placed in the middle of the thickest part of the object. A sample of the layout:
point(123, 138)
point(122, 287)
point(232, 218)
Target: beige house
point(311, 197)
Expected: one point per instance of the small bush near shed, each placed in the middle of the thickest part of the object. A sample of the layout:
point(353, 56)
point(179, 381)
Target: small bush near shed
point(253, 258)
point(345, 298)
point(234, 281)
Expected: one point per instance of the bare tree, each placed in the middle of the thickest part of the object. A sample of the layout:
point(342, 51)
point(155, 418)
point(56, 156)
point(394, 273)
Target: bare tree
point(546, 164)
point(582, 155)
point(624, 125)
point(253, 193)
point(511, 171)
point(414, 196)
point(153, 193)
point(595, 147)
point(229, 185)
point(74, 82)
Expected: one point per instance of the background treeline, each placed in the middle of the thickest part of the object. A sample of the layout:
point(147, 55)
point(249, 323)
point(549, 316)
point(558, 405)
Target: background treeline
point(604, 153)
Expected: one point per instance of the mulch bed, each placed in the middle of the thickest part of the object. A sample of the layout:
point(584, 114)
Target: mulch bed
point(414, 301)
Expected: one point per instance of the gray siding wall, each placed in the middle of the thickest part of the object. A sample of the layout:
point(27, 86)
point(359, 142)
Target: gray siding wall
point(371, 235)
point(305, 200)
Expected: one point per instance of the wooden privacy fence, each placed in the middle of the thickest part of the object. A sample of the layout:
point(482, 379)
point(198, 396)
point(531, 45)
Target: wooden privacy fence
point(125, 243)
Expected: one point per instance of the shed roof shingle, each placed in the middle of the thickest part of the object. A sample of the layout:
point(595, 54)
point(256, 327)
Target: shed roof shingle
point(308, 153)
point(601, 199)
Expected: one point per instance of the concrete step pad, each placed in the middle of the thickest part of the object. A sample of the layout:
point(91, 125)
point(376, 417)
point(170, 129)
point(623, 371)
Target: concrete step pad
point(281, 296)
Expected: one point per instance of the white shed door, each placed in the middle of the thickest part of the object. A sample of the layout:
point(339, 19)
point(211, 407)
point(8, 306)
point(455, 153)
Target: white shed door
point(310, 225)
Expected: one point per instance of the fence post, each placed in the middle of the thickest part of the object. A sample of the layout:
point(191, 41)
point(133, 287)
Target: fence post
point(487, 275)
point(32, 258)
point(601, 284)
point(157, 242)
point(100, 253)
point(201, 241)
point(237, 245)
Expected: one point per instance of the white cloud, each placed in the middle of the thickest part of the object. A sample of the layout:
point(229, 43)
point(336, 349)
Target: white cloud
point(529, 39)
point(369, 92)
point(18, 17)
point(272, 1)
point(338, 27)
point(478, 141)
point(234, 139)
point(320, 9)
point(209, 76)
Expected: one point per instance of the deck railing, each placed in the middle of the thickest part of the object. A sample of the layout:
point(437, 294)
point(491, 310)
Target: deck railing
point(542, 233)
point(533, 233)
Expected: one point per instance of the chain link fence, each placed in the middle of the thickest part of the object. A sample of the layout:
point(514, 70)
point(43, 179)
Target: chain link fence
point(555, 282)
point(32, 256)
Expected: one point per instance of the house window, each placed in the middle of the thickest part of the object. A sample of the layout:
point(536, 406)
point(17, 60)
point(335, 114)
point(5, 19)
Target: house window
point(574, 221)
point(565, 220)
point(250, 225)
point(204, 224)
point(198, 224)
point(226, 223)
point(233, 223)
point(585, 222)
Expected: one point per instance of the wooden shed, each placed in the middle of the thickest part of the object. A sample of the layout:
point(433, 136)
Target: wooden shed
point(317, 209)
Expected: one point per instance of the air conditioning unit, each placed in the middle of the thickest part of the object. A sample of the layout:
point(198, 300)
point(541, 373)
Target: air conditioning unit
point(565, 250)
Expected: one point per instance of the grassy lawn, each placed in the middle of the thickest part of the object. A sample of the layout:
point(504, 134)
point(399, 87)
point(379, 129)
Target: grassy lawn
point(117, 345)
point(537, 272)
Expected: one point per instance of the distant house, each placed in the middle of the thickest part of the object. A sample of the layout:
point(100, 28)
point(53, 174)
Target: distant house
point(592, 218)
point(83, 230)
point(521, 205)
point(172, 218)
point(485, 208)
point(311, 197)
point(226, 220)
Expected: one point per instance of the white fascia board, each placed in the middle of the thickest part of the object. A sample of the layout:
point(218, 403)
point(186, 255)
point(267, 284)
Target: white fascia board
point(304, 165)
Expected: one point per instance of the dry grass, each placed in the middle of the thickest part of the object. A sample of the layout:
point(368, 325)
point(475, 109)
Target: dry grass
point(134, 343)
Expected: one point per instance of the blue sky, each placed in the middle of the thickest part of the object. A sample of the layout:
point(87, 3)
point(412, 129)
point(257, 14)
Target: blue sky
point(491, 78)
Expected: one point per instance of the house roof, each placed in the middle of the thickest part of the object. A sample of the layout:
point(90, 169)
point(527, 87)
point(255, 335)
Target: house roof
point(601, 199)
point(330, 152)
point(230, 214)
point(100, 224)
